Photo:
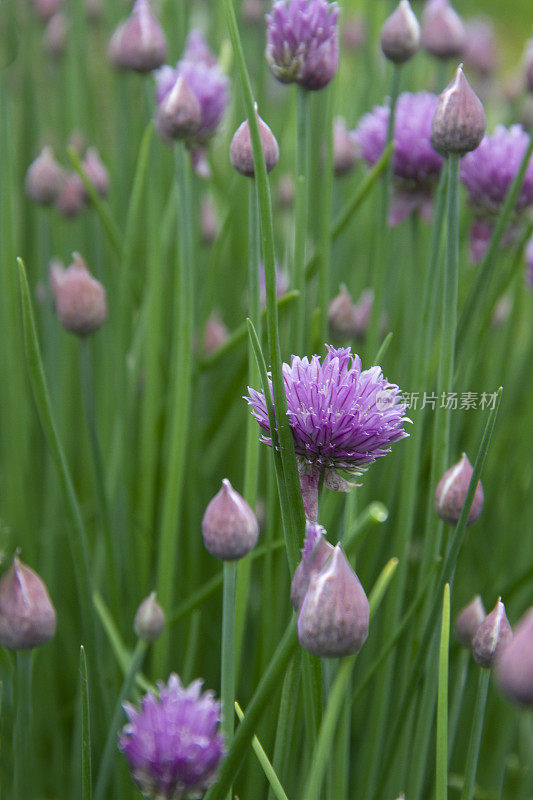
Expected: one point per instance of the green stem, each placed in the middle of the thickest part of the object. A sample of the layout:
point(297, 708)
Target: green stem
point(262, 757)
point(228, 653)
point(383, 242)
point(301, 210)
point(180, 404)
point(325, 219)
point(86, 773)
point(475, 735)
point(110, 747)
point(22, 749)
point(442, 701)
point(457, 700)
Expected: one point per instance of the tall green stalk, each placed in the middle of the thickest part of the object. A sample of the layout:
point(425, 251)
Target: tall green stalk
point(22, 749)
point(301, 209)
point(475, 735)
point(227, 679)
point(442, 701)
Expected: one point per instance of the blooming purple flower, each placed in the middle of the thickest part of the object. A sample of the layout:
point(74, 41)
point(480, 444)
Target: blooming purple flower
point(204, 77)
point(341, 416)
point(171, 743)
point(302, 42)
point(487, 173)
point(416, 165)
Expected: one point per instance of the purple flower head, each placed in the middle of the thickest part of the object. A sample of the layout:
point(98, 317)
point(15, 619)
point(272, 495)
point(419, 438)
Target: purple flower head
point(204, 77)
point(171, 743)
point(416, 165)
point(342, 417)
point(489, 170)
point(302, 42)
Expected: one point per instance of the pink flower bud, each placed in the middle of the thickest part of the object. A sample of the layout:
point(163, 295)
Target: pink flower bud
point(138, 43)
point(285, 191)
point(514, 671)
point(469, 621)
point(80, 299)
point(400, 35)
point(96, 171)
point(334, 615)
point(459, 122)
point(208, 220)
point(179, 114)
point(45, 9)
point(149, 620)
point(443, 33)
point(241, 155)
point(451, 492)
point(315, 553)
point(43, 178)
point(492, 637)
point(71, 199)
point(215, 333)
point(229, 526)
point(27, 616)
point(344, 148)
point(55, 35)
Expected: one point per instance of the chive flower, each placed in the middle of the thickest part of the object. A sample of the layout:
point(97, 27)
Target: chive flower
point(416, 165)
point(171, 743)
point(341, 416)
point(302, 42)
point(487, 173)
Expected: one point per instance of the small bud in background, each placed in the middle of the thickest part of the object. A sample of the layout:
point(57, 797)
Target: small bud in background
point(71, 199)
point(443, 32)
point(240, 152)
point(55, 35)
point(208, 220)
point(77, 142)
point(43, 178)
point(529, 263)
point(459, 122)
point(27, 616)
point(469, 621)
point(138, 43)
point(514, 671)
point(215, 334)
point(45, 9)
point(80, 300)
point(344, 148)
point(199, 162)
point(492, 637)
point(315, 553)
point(353, 33)
point(528, 65)
point(451, 492)
point(341, 314)
point(96, 171)
point(480, 51)
point(229, 526)
point(400, 35)
point(94, 11)
point(253, 12)
point(178, 115)
point(501, 311)
point(334, 615)
point(149, 620)
point(285, 191)
point(282, 284)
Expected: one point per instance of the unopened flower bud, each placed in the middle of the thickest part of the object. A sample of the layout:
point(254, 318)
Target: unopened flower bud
point(71, 198)
point(178, 115)
point(344, 148)
point(492, 637)
point(229, 526)
point(285, 191)
point(55, 35)
point(469, 621)
point(27, 616)
point(451, 492)
point(45, 9)
point(353, 33)
point(480, 52)
point(43, 178)
point(501, 312)
point(253, 12)
point(149, 620)
point(334, 615)
point(459, 122)
point(215, 334)
point(514, 671)
point(341, 314)
point(400, 35)
point(138, 43)
point(315, 553)
point(80, 299)
point(443, 33)
point(241, 154)
point(529, 65)
point(93, 9)
point(208, 221)
point(96, 171)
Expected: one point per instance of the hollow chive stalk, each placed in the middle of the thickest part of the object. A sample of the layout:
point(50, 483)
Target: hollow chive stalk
point(179, 407)
point(383, 241)
point(227, 680)
point(442, 701)
point(22, 751)
point(301, 209)
point(475, 735)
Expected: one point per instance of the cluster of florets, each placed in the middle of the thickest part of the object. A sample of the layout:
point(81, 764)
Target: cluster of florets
point(416, 165)
point(487, 173)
